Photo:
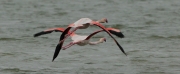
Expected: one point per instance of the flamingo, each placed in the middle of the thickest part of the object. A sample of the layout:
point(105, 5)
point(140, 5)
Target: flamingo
point(83, 23)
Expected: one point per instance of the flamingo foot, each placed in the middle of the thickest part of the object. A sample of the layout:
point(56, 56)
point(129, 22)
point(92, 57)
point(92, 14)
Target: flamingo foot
point(64, 48)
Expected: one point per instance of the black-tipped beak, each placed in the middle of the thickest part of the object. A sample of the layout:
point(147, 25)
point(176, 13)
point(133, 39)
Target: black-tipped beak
point(106, 21)
point(104, 40)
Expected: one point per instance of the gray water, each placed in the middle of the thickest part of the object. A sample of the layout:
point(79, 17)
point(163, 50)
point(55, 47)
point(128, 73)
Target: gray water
point(151, 29)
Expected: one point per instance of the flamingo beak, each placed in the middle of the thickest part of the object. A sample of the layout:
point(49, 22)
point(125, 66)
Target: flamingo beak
point(106, 21)
point(104, 39)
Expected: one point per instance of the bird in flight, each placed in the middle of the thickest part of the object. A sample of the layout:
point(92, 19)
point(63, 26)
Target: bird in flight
point(79, 39)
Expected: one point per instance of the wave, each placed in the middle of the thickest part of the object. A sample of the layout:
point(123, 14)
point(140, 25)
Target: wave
point(8, 39)
point(15, 70)
point(163, 37)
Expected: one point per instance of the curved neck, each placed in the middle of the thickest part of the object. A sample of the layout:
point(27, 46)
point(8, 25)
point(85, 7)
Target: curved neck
point(96, 42)
point(100, 21)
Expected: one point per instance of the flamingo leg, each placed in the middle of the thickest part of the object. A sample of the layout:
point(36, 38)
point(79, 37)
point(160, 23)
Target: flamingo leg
point(64, 47)
point(69, 45)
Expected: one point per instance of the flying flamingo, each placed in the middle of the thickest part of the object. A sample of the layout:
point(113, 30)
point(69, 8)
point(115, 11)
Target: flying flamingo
point(83, 23)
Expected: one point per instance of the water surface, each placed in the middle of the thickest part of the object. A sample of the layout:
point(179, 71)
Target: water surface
point(151, 28)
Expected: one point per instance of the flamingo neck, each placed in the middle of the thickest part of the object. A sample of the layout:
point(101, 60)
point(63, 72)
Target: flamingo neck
point(99, 21)
point(101, 40)
point(97, 42)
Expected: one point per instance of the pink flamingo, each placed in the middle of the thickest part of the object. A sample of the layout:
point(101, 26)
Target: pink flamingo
point(81, 40)
point(83, 23)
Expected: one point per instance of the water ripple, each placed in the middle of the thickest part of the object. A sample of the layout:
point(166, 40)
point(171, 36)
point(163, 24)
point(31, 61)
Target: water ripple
point(15, 70)
point(8, 39)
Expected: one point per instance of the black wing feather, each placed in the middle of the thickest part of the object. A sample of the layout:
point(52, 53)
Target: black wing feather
point(118, 34)
point(42, 33)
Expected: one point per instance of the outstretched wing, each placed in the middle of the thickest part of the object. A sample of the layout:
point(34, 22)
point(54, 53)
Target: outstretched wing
point(49, 31)
point(59, 46)
point(92, 34)
point(116, 32)
point(101, 26)
point(111, 30)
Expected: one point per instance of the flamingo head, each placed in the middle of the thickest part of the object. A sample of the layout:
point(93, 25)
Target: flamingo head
point(103, 39)
point(103, 20)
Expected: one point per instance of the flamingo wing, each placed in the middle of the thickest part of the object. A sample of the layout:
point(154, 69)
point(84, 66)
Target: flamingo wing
point(57, 50)
point(101, 26)
point(112, 31)
point(116, 32)
point(49, 31)
point(92, 34)
point(59, 46)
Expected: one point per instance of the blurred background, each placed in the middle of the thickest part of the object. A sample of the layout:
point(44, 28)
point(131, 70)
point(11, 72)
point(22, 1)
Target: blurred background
point(151, 29)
